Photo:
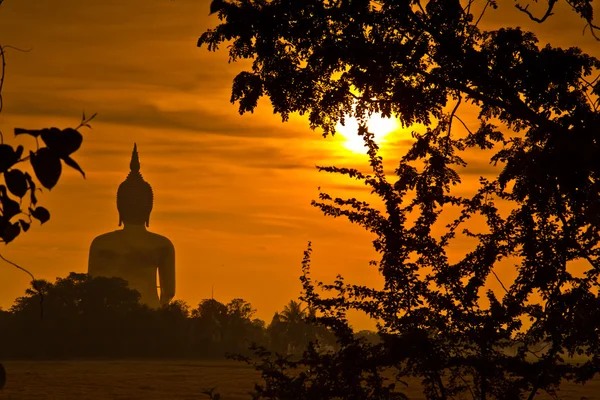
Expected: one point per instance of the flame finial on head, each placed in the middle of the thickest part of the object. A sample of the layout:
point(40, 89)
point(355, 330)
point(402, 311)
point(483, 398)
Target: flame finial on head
point(134, 196)
point(134, 165)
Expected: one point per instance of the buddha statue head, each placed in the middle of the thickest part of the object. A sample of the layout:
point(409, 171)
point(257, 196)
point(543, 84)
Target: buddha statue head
point(134, 197)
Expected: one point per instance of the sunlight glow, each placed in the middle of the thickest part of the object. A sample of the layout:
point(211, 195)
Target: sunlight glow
point(381, 127)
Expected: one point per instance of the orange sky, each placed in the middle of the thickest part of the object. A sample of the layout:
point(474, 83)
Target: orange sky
point(232, 192)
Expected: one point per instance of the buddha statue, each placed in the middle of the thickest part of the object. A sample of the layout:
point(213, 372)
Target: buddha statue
point(133, 253)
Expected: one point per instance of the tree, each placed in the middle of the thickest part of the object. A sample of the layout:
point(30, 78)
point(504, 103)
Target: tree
point(538, 116)
point(293, 318)
point(102, 317)
point(241, 328)
point(241, 309)
point(294, 328)
point(84, 316)
point(370, 336)
point(172, 327)
point(46, 162)
point(209, 326)
point(276, 332)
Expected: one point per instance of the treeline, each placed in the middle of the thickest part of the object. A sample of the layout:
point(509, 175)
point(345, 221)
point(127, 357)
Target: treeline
point(84, 317)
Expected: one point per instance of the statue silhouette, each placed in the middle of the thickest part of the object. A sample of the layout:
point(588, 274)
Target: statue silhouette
point(133, 253)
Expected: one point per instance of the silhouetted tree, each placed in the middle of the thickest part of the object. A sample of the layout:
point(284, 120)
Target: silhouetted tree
point(84, 317)
point(292, 329)
point(538, 118)
point(103, 317)
point(172, 327)
point(294, 318)
point(210, 322)
point(100, 317)
point(219, 328)
point(16, 217)
point(277, 335)
point(240, 327)
point(257, 333)
point(370, 336)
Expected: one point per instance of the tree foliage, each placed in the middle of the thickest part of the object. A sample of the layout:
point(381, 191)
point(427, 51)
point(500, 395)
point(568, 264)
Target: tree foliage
point(538, 115)
point(103, 317)
point(46, 162)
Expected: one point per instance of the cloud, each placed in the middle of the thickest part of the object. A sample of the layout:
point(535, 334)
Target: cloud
point(236, 222)
point(111, 109)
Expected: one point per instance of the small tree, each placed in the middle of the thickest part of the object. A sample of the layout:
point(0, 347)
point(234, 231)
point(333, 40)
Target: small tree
point(538, 115)
point(46, 162)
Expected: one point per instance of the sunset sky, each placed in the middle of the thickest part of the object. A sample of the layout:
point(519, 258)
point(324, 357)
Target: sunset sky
point(231, 192)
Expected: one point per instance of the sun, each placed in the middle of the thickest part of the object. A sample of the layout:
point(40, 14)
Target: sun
point(381, 127)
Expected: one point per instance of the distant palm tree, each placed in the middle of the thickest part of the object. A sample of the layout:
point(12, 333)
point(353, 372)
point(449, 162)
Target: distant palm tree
point(293, 313)
point(292, 329)
point(294, 316)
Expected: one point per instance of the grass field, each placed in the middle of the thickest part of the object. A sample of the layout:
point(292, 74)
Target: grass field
point(165, 380)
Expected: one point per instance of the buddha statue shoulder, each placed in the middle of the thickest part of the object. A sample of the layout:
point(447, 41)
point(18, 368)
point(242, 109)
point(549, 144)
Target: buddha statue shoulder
point(134, 253)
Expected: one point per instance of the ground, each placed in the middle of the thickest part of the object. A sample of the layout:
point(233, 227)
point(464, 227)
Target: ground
point(153, 380)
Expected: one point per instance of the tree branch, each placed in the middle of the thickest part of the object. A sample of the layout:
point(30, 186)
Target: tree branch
point(35, 287)
point(551, 4)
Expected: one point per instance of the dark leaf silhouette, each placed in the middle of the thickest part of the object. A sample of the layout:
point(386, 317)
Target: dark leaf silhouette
point(32, 188)
point(47, 166)
point(40, 213)
point(19, 152)
point(10, 207)
point(63, 142)
point(16, 182)
point(8, 157)
point(32, 132)
point(11, 231)
point(216, 6)
point(24, 225)
point(3, 223)
point(71, 163)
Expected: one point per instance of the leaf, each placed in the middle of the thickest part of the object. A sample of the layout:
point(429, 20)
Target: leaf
point(47, 166)
point(16, 182)
point(63, 142)
point(32, 188)
point(3, 223)
point(71, 163)
point(216, 6)
point(11, 232)
point(10, 208)
point(40, 213)
point(19, 152)
point(8, 157)
point(24, 225)
point(32, 132)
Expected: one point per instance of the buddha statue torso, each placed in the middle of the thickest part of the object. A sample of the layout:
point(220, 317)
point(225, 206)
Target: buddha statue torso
point(133, 253)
